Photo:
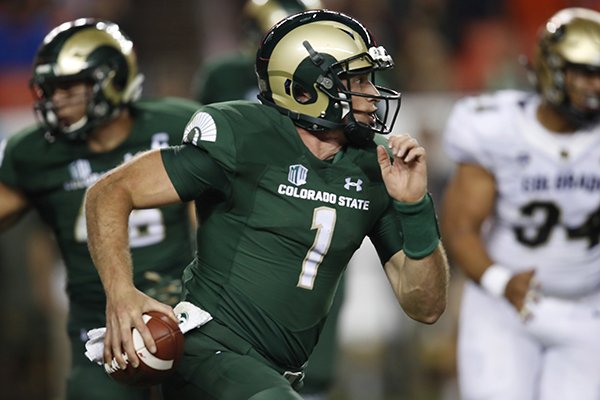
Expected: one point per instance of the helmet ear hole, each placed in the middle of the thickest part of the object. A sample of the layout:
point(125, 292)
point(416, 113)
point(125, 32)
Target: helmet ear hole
point(303, 96)
point(100, 110)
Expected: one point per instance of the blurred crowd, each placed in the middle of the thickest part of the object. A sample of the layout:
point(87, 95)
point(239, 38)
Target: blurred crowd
point(438, 45)
point(443, 49)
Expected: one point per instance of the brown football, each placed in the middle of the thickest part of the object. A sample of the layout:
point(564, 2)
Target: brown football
point(153, 368)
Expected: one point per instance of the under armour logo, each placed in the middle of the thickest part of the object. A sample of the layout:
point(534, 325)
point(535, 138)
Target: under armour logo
point(357, 185)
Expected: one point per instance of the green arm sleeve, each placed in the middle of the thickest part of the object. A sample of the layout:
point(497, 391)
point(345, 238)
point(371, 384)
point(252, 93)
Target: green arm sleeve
point(420, 227)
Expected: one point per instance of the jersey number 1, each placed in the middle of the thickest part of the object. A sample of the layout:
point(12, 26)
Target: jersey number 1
point(324, 222)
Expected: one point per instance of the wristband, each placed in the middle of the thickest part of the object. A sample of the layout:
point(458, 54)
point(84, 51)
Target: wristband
point(494, 279)
point(419, 226)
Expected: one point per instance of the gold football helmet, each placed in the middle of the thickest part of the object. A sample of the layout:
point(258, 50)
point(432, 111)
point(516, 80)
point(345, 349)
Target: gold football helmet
point(302, 64)
point(92, 51)
point(569, 39)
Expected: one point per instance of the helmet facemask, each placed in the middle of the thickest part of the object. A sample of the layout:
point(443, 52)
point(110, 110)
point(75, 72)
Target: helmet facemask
point(98, 110)
point(587, 111)
point(335, 83)
point(316, 92)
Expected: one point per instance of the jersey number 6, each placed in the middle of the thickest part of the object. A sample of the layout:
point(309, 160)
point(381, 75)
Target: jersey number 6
point(146, 227)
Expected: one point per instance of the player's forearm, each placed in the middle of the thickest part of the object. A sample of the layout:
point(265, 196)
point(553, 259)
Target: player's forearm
point(467, 250)
point(419, 273)
point(13, 205)
point(8, 221)
point(469, 200)
point(421, 285)
point(107, 208)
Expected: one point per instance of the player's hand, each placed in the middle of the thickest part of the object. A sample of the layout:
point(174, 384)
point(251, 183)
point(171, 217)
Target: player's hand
point(520, 289)
point(405, 176)
point(124, 311)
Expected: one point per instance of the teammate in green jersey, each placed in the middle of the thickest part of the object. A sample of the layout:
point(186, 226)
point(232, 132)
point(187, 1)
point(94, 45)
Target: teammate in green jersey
point(87, 86)
point(232, 77)
point(296, 184)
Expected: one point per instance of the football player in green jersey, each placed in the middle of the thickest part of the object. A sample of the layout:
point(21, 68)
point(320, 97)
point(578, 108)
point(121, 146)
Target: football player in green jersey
point(232, 77)
point(296, 184)
point(87, 85)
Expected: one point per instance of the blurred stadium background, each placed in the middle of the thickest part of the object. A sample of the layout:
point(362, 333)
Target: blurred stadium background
point(443, 49)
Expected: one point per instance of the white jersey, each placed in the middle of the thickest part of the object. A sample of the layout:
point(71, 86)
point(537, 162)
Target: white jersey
point(548, 189)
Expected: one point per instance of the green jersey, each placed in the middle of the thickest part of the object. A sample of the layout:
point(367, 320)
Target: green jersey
point(54, 177)
point(271, 255)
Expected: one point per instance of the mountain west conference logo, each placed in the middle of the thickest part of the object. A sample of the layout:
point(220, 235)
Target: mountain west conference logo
point(82, 175)
point(297, 174)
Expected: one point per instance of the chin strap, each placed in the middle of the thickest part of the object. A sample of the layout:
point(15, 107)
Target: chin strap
point(358, 134)
point(580, 119)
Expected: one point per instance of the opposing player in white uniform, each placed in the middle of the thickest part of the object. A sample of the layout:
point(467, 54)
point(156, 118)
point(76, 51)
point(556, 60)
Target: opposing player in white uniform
point(521, 218)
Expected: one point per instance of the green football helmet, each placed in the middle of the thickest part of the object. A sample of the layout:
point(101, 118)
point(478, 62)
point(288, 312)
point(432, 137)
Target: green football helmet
point(569, 39)
point(92, 51)
point(302, 64)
